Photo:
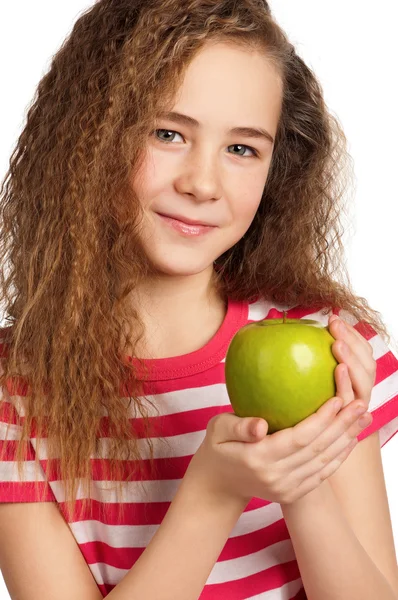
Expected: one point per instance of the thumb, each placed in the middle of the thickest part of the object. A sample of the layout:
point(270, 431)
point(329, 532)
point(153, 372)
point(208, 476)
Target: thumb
point(253, 429)
point(229, 427)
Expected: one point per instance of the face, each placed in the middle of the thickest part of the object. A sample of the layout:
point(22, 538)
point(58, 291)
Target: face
point(205, 172)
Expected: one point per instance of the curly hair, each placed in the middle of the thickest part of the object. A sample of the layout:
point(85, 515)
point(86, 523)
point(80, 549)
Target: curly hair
point(70, 218)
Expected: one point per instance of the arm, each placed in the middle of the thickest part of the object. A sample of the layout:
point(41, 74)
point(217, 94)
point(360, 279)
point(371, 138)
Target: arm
point(40, 559)
point(336, 562)
point(184, 549)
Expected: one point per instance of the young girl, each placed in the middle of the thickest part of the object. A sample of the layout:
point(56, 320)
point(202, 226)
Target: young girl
point(178, 177)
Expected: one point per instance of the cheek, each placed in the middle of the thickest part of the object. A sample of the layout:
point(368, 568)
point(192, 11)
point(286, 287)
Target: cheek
point(246, 206)
point(146, 179)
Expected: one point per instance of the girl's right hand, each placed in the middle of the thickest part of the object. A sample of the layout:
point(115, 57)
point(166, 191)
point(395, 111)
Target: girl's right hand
point(238, 459)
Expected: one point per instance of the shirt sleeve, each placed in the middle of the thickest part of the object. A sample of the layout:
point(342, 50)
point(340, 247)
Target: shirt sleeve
point(384, 397)
point(32, 487)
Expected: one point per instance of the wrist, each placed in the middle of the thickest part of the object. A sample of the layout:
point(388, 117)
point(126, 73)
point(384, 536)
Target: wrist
point(311, 500)
point(196, 485)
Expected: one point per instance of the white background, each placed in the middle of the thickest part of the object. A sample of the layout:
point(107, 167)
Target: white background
point(352, 48)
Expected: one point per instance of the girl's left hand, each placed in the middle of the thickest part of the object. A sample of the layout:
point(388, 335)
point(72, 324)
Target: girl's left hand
point(354, 354)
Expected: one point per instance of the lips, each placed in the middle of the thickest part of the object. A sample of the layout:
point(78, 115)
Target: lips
point(190, 231)
point(186, 220)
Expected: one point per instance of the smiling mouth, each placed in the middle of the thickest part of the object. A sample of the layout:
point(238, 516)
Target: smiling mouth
point(185, 228)
point(186, 220)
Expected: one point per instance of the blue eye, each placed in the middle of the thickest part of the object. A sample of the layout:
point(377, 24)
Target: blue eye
point(254, 152)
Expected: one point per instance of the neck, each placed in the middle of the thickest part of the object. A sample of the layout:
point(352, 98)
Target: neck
point(180, 314)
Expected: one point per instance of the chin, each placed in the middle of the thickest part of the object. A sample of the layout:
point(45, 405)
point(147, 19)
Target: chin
point(173, 271)
point(181, 266)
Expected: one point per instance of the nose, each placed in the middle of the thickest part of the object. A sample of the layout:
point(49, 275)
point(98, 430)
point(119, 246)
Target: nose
point(200, 176)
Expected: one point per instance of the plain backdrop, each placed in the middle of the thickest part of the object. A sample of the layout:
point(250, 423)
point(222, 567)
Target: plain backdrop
point(352, 48)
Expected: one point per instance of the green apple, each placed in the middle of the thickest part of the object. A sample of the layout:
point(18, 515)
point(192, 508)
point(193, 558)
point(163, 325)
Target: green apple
point(281, 370)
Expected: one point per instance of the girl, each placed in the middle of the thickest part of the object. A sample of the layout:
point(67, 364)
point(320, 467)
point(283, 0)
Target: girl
point(179, 176)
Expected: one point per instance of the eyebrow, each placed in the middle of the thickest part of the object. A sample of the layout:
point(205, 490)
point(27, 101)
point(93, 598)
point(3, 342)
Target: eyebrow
point(253, 132)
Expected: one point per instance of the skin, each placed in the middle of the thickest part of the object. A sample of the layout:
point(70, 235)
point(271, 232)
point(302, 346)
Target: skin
point(208, 174)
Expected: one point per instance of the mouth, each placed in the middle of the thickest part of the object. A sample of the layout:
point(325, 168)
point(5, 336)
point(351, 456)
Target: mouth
point(186, 220)
point(184, 228)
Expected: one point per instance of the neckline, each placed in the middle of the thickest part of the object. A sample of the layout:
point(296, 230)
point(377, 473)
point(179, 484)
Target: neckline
point(200, 360)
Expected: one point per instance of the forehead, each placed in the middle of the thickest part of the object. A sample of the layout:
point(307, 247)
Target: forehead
point(226, 83)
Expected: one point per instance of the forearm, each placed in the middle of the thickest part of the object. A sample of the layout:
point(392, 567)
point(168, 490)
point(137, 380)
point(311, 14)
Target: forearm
point(179, 558)
point(332, 562)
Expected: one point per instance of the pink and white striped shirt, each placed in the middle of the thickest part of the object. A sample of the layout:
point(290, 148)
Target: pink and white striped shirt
point(258, 559)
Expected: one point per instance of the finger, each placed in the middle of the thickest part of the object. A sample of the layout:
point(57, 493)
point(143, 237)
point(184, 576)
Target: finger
point(329, 446)
point(292, 440)
point(351, 330)
point(315, 433)
point(312, 482)
point(349, 422)
point(348, 440)
point(228, 427)
point(352, 348)
point(341, 330)
point(361, 374)
point(344, 388)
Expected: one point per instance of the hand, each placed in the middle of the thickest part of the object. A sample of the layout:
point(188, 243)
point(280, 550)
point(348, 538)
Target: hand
point(355, 354)
point(238, 459)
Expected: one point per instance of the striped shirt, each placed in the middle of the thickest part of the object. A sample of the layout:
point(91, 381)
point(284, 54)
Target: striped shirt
point(258, 559)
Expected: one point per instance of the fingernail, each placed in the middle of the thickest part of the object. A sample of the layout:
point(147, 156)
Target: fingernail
point(337, 404)
point(342, 348)
point(365, 420)
point(254, 427)
point(360, 409)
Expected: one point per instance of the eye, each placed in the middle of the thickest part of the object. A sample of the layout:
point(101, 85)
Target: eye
point(167, 131)
point(254, 152)
point(170, 131)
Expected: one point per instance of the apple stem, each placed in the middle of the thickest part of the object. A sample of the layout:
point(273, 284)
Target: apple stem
point(284, 316)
